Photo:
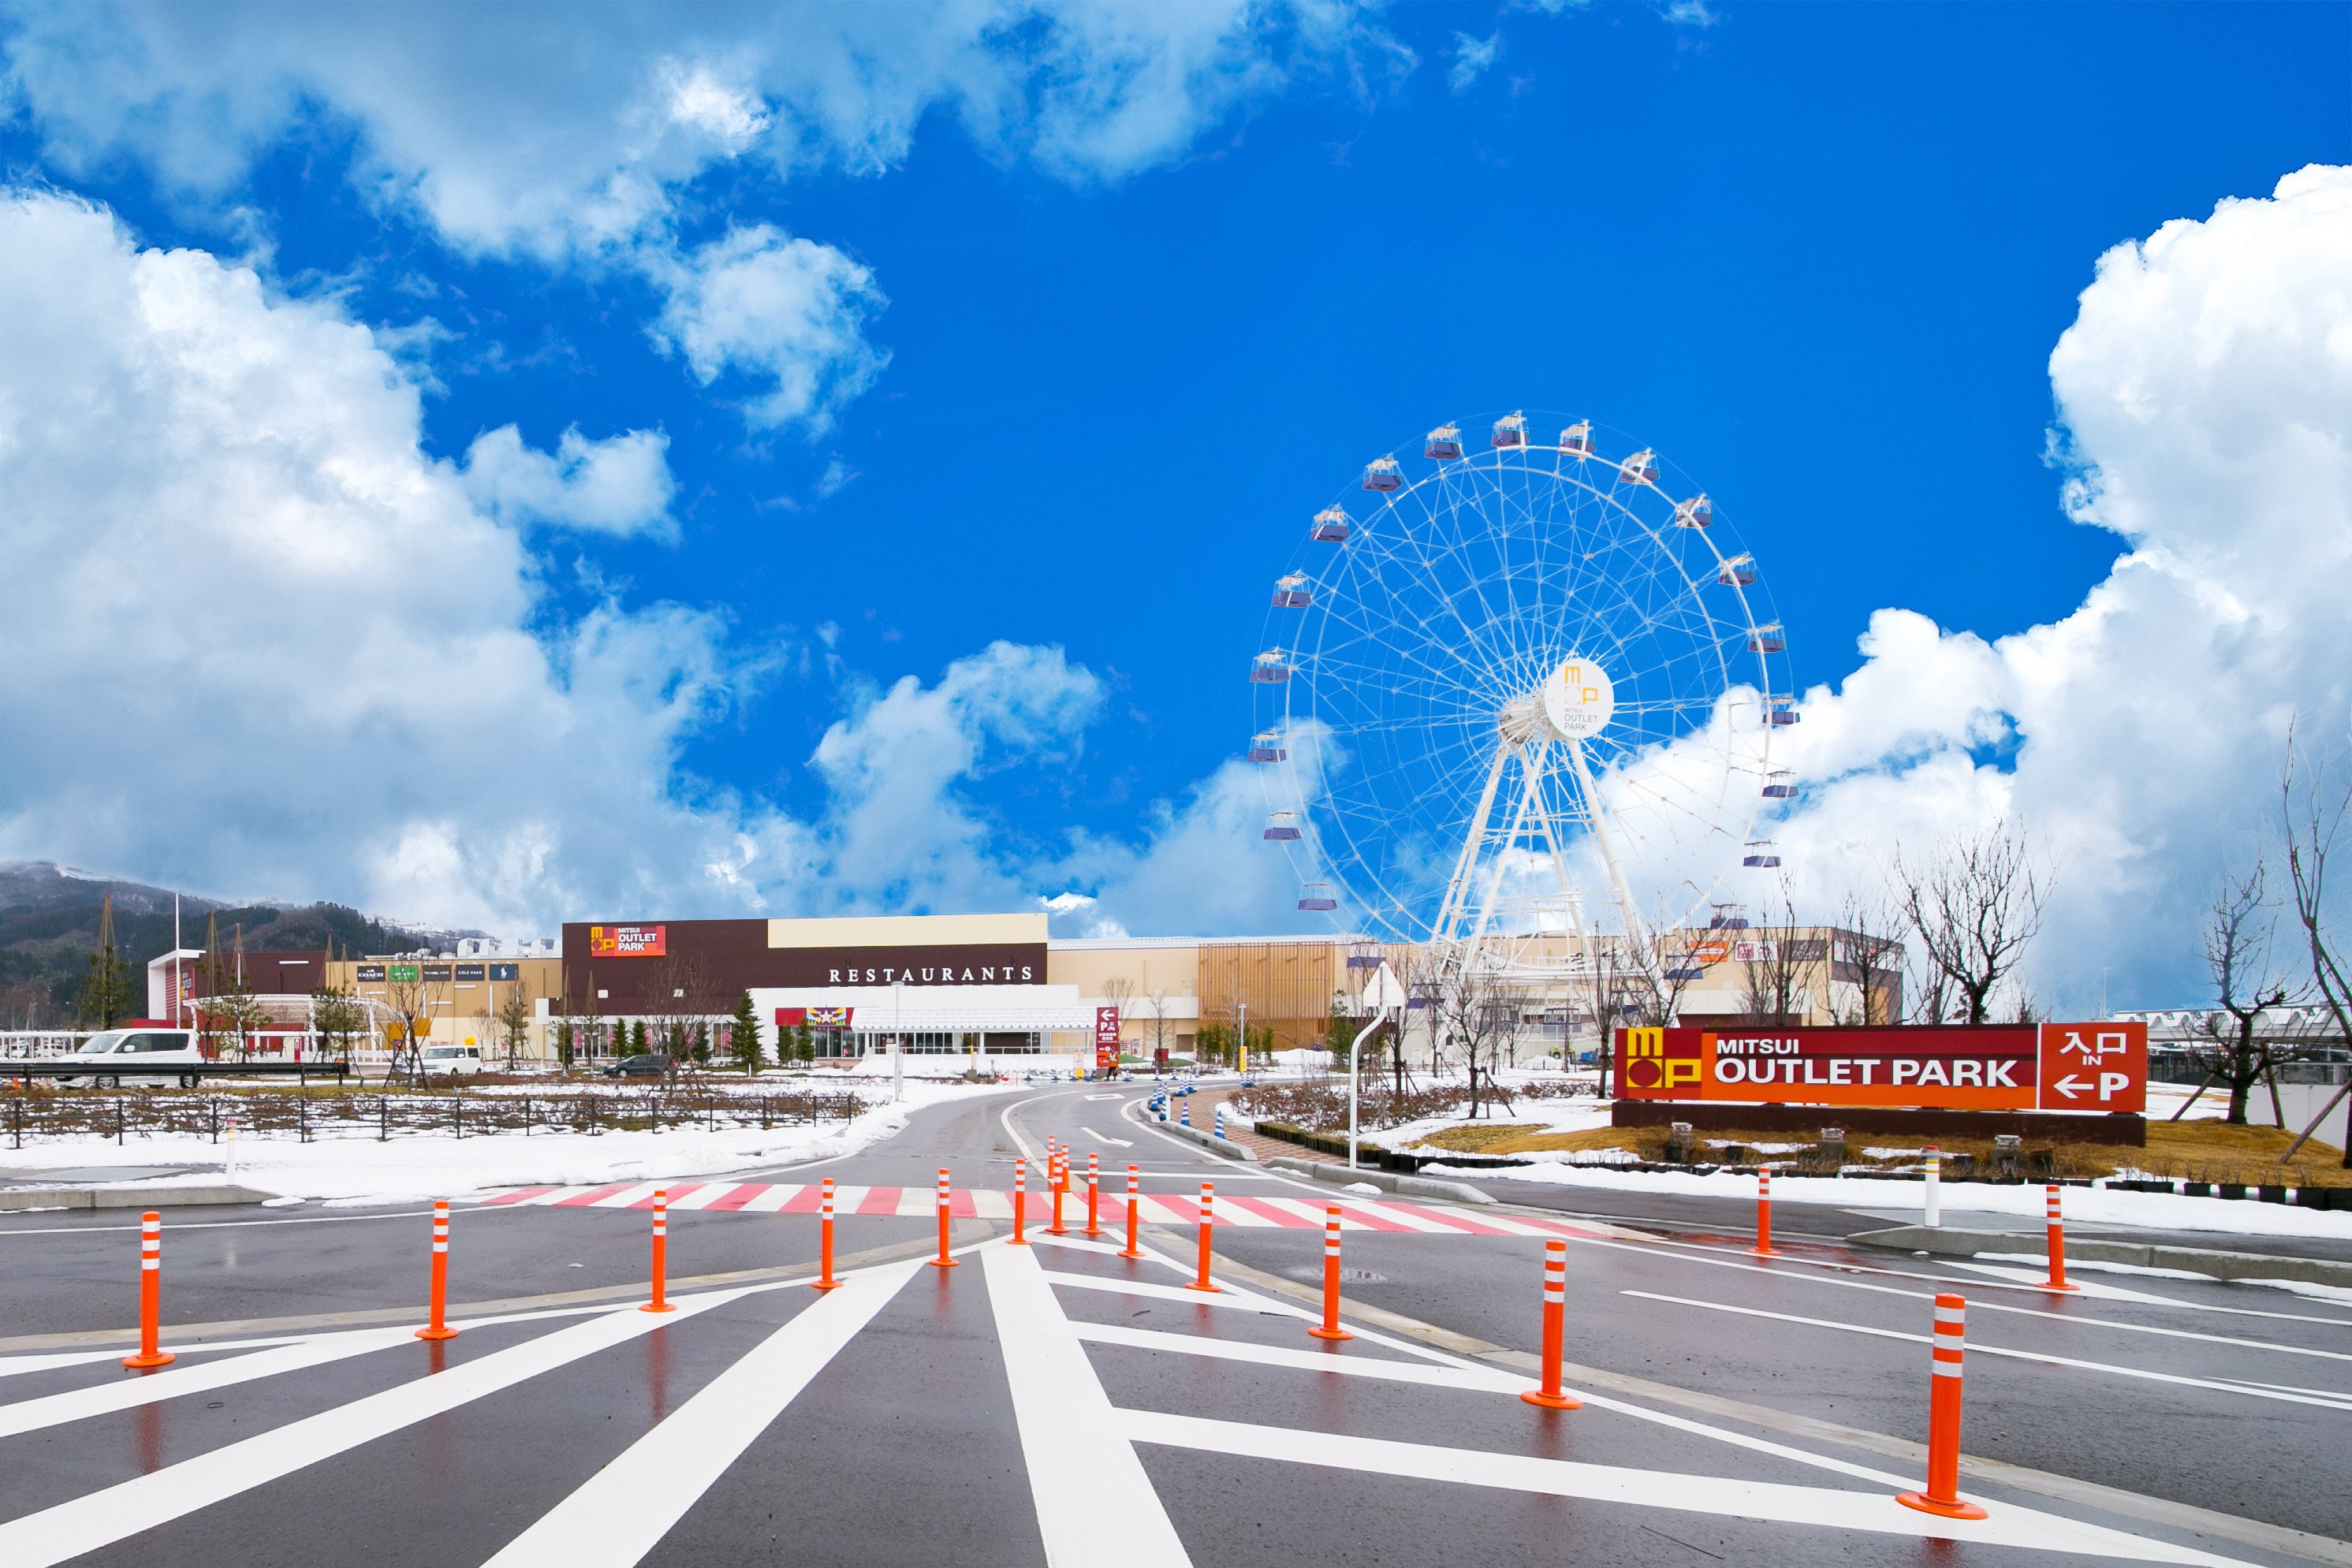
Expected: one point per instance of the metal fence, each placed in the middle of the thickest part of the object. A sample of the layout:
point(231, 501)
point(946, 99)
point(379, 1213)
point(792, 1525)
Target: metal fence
point(169, 1113)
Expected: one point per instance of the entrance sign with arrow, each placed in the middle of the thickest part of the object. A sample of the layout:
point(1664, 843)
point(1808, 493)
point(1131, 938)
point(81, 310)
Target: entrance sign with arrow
point(2096, 1067)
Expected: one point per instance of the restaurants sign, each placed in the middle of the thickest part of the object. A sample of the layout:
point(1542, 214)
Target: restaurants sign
point(2023, 1067)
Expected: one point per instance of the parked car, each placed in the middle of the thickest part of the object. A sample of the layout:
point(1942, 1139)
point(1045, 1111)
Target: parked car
point(452, 1059)
point(645, 1064)
point(154, 1052)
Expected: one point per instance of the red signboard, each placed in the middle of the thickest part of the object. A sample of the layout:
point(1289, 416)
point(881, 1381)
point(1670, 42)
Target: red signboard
point(1107, 1037)
point(628, 941)
point(2022, 1067)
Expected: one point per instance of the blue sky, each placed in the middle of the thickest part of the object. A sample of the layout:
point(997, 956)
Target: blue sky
point(1104, 363)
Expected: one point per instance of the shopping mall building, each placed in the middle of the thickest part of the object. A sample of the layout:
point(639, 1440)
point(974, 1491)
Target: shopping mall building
point(981, 985)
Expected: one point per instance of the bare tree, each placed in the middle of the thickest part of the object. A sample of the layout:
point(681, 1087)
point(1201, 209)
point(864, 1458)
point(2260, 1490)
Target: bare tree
point(2240, 924)
point(412, 999)
point(514, 1019)
point(1647, 991)
point(2312, 810)
point(1158, 1001)
point(1976, 907)
point(1478, 1009)
point(1773, 970)
point(1866, 954)
point(337, 1017)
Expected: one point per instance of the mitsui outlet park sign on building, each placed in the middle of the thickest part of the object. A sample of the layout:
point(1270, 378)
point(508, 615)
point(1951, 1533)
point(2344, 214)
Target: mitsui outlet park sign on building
point(2019, 1067)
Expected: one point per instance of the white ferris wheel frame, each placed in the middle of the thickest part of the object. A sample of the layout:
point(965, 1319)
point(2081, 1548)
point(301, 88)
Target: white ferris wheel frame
point(1473, 892)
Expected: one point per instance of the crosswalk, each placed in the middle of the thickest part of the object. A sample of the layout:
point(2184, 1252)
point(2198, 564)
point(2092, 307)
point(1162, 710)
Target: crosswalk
point(1110, 1419)
point(1246, 1212)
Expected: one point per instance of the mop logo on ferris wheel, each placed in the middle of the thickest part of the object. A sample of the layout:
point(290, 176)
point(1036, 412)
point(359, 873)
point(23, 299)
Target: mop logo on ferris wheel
point(1577, 699)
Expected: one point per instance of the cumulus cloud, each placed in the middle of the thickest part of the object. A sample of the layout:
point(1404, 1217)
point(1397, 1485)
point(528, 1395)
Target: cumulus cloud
point(2204, 397)
point(618, 486)
point(260, 642)
point(786, 312)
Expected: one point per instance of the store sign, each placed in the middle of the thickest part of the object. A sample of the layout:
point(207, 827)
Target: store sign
point(2023, 1067)
point(371, 972)
point(473, 972)
point(628, 941)
point(405, 972)
point(1106, 1037)
point(830, 1018)
point(506, 971)
point(437, 972)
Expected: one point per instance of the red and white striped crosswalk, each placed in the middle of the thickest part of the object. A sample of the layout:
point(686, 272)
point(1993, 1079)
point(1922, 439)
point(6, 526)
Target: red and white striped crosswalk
point(1157, 1208)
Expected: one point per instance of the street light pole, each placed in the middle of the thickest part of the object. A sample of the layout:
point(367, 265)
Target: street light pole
point(1352, 1078)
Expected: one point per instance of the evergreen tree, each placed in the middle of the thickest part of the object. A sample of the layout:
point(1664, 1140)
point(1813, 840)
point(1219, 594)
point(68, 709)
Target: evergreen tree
point(638, 1037)
point(744, 1039)
point(106, 994)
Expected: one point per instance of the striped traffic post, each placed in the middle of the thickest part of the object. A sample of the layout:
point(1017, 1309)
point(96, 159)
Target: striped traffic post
point(660, 1303)
point(1220, 1119)
point(1329, 1327)
point(1942, 1495)
point(1554, 1330)
point(1057, 1177)
point(1932, 1206)
point(1020, 1201)
point(151, 1294)
point(944, 1260)
point(1763, 1248)
point(2057, 1280)
point(825, 1280)
point(1093, 1195)
point(1208, 1201)
point(1134, 1211)
point(436, 1326)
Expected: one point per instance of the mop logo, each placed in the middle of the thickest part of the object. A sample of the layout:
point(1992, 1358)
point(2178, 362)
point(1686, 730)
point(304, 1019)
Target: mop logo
point(1647, 1065)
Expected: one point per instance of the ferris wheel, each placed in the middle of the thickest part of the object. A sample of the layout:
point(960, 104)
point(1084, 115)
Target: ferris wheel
point(1521, 688)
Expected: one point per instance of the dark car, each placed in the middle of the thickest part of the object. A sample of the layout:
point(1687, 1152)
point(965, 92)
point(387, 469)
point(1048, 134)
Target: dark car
point(645, 1065)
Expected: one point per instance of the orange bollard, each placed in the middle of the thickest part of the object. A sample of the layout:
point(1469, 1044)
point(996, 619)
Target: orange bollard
point(1943, 1493)
point(1554, 1330)
point(1020, 1200)
point(1763, 1248)
point(825, 1280)
point(150, 1295)
point(1134, 1211)
point(1056, 1179)
point(2057, 1280)
point(660, 1303)
point(1330, 1328)
point(437, 1325)
point(1208, 1200)
point(1093, 1223)
point(944, 1260)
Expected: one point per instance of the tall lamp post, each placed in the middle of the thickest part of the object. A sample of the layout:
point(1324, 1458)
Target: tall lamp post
point(1380, 996)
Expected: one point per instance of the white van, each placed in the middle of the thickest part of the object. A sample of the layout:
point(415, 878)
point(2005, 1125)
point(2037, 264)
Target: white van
point(455, 1059)
point(128, 1055)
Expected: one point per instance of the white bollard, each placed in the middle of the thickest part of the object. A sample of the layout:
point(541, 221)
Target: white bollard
point(1935, 1195)
point(231, 1171)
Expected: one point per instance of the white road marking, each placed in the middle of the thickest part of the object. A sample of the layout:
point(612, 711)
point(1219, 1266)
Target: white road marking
point(612, 1519)
point(1105, 1096)
point(1479, 1380)
point(1105, 1137)
point(79, 1403)
point(1090, 1489)
point(780, 1193)
point(628, 1196)
point(1774, 1502)
point(1230, 1296)
point(2326, 1399)
point(702, 1197)
point(118, 1512)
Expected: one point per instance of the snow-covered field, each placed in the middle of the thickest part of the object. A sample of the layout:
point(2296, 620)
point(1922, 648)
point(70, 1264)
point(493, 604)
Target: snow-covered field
point(406, 1168)
point(2095, 1206)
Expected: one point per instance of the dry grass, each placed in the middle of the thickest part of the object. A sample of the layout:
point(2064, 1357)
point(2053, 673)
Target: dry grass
point(2185, 1151)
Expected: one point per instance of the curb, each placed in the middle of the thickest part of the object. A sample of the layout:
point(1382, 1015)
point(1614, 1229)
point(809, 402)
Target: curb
point(1388, 1181)
point(1208, 1141)
point(2215, 1264)
point(128, 1197)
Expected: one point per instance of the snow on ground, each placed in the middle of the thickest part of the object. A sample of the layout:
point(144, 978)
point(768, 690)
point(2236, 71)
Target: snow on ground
point(2092, 1206)
point(361, 1170)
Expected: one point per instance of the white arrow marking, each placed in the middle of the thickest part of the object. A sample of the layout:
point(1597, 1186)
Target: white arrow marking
point(2070, 1086)
point(1122, 1142)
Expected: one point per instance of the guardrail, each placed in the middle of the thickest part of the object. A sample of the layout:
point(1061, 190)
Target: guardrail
point(188, 1073)
point(182, 1114)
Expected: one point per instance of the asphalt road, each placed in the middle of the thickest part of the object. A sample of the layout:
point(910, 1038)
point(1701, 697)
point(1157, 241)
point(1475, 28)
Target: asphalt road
point(1058, 1403)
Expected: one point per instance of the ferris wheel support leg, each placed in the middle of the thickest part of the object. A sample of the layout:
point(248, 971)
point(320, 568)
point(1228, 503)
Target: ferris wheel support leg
point(1599, 816)
point(1572, 905)
point(1467, 860)
point(1502, 861)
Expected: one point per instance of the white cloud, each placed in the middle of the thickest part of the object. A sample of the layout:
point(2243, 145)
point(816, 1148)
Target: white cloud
point(618, 486)
point(522, 130)
point(1470, 58)
point(2205, 395)
point(787, 312)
